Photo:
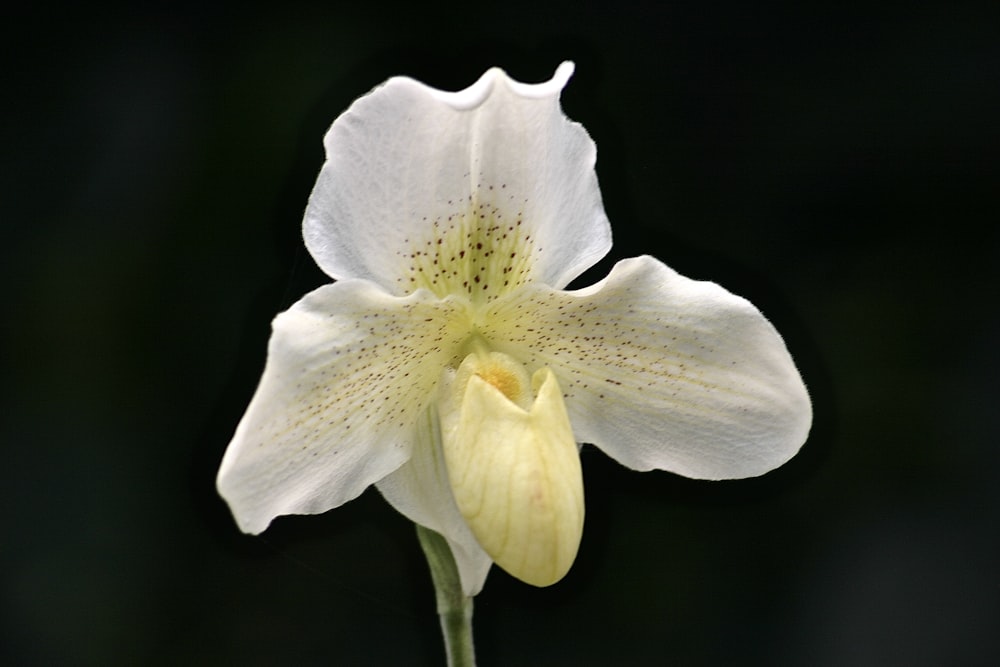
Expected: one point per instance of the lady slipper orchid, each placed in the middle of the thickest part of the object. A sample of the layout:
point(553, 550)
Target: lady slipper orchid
point(448, 366)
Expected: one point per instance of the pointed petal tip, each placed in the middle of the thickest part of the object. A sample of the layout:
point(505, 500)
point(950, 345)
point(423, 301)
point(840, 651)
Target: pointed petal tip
point(250, 518)
point(549, 88)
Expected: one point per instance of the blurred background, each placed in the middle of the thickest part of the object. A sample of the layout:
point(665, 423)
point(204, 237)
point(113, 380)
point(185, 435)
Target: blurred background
point(832, 162)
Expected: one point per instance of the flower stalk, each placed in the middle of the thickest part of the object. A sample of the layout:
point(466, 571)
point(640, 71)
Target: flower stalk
point(454, 607)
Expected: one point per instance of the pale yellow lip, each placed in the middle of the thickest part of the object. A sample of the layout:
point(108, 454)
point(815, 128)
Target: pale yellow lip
point(513, 465)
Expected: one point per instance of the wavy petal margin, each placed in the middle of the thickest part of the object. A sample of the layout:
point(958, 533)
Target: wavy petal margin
point(407, 162)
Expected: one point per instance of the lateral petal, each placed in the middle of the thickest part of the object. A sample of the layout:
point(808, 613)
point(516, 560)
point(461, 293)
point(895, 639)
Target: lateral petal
point(349, 370)
point(661, 371)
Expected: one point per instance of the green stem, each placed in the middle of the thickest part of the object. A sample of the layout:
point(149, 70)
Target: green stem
point(453, 605)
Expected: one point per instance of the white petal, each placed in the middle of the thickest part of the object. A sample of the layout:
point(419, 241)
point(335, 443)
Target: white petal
point(419, 490)
point(478, 171)
point(349, 370)
point(664, 372)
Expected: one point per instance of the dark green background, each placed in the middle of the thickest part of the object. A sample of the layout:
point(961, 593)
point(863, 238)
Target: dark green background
point(831, 162)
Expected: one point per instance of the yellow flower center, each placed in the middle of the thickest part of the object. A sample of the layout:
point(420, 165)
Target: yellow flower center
point(508, 383)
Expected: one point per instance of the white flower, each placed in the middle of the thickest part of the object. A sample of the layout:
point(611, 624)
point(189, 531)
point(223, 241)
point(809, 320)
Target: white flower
point(447, 366)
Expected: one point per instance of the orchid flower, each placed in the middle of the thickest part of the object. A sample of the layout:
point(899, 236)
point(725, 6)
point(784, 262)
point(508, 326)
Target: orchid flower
point(448, 366)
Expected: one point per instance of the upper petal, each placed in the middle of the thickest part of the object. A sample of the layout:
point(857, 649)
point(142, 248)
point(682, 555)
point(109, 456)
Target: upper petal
point(410, 168)
point(661, 371)
point(349, 369)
